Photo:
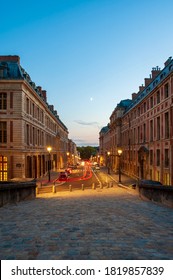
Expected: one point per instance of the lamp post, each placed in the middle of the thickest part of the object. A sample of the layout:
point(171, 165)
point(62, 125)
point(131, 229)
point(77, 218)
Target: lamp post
point(119, 155)
point(108, 162)
point(68, 158)
point(49, 149)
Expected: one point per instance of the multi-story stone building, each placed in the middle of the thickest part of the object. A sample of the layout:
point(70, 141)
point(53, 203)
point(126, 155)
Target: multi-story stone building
point(143, 129)
point(72, 154)
point(104, 144)
point(28, 125)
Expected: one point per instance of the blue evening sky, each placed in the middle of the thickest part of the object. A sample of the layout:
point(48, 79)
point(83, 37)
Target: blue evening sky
point(87, 54)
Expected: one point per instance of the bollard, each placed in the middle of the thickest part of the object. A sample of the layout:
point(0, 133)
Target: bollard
point(70, 188)
point(83, 187)
point(37, 190)
point(54, 188)
point(93, 186)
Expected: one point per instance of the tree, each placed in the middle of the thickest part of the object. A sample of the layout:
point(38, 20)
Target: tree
point(87, 152)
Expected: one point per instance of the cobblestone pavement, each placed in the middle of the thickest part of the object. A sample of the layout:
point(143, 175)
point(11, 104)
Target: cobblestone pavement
point(110, 223)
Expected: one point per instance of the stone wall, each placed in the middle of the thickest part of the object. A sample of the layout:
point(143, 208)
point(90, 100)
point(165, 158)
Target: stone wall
point(13, 192)
point(160, 194)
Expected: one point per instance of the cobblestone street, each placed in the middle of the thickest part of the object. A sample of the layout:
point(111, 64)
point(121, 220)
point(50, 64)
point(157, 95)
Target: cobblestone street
point(97, 224)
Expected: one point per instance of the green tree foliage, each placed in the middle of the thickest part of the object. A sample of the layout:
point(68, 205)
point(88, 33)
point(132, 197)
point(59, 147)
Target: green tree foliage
point(87, 152)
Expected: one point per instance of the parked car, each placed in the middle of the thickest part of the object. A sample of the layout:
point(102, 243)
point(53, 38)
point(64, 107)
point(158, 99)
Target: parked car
point(97, 166)
point(68, 171)
point(63, 176)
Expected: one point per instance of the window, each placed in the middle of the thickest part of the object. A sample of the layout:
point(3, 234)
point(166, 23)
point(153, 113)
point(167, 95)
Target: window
point(27, 105)
point(138, 111)
point(151, 157)
point(3, 168)
point(33, 110)
point(3, 101)
point(3, 132)
point(151, 130)
point(138, 134)
point(158, 157)
point(144, 130)
point(166, 90)
point(167, 125)
point(166, 158)
point(11, 100)
point(145, 107)
point(151, 102)
point(27, 134)
point(158, 128)
point(158, 96)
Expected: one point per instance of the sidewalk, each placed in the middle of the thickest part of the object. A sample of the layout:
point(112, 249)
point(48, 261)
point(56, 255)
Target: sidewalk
point(126, 181)
point(44, 180)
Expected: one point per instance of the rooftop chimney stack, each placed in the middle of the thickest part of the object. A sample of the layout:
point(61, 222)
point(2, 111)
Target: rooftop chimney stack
point(155, 71)
point(44, 94)
point(14, 58)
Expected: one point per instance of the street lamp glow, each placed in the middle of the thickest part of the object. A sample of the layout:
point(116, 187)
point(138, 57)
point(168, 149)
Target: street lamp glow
point(108, 153)
point(120, 152)
point(49, 149)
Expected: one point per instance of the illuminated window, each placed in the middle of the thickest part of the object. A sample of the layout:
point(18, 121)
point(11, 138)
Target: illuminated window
point(3, 101)
point(3, 168)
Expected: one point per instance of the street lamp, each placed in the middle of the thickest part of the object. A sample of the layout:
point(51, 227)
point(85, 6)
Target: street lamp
point(108, 162)
point(119, 155)
point(68, 158)
point(49, 149)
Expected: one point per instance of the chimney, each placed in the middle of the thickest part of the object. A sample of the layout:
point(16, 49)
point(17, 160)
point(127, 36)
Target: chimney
point(134, 95)
point(141, 88)
point(147, 81)
point(44, 94)
point(39, 89)
point(8, 58)
point(51, 107)
point(155, 71)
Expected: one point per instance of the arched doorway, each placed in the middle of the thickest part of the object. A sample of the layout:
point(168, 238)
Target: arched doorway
point(142, 159)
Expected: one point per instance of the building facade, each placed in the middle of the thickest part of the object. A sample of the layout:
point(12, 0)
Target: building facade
point(143, 128)
point(28, 125)
point(72, 154)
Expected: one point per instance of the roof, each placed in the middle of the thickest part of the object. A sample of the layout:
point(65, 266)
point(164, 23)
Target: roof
point(104, 129)
point(124, 103)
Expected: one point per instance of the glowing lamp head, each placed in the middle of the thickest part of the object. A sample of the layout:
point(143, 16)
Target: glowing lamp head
point(49, 149)
point(120, 152)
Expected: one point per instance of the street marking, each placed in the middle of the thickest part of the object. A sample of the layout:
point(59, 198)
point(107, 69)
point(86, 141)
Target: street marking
point(97, 178)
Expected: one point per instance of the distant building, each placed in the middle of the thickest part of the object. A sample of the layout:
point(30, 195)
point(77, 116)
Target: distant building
point(72, 154)
point(28, 125)
point(143, 129)
point(104, 144)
